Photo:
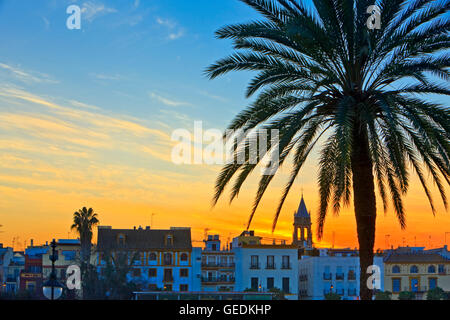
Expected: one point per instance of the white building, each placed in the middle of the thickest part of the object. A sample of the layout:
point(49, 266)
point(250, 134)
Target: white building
point(333, 270)
point(261, 267)
point(217, 266)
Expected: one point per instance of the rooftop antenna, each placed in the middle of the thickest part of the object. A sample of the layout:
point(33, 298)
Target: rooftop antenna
point(332, 243)
point(415, 242)
point(205, 233)
point(429, 241)
point(151, 219)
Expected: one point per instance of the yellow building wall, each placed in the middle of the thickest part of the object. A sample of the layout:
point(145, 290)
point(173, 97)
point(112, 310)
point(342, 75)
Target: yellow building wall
point(423, 277)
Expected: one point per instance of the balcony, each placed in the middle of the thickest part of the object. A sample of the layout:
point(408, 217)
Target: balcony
point(340, 276)
point(217, 265)
point(286, 266)
point(255, 266)
point(270, 266)
point(326, 276)
point(217, 279)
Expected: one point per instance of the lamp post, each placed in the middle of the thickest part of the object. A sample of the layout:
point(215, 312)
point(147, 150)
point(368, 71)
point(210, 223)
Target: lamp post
point(52, 288)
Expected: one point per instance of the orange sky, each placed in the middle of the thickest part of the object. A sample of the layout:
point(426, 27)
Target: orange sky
point(58, 155)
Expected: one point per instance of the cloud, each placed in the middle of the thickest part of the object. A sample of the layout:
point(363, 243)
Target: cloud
point(175, 31)
point(92, 10)
point(168, 102)
point(26, 76)
point(101, 76)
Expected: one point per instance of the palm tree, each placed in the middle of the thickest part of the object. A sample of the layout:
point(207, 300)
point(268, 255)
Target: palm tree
point(83, 222)
point(325, 78)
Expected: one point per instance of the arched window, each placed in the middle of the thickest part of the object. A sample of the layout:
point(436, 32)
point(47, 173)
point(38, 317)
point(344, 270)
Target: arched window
point(152, 256)
point(431, 269)
point(395, 269)
point(184, 257)
point(414, 269)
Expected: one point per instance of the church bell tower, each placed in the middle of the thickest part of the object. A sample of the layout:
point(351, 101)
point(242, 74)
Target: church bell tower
point(302, 227)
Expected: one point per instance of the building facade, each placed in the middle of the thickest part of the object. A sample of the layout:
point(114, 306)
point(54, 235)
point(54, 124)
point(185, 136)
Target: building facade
point(417, 270)
point(164, 258)
point(332, 271)
point(217, 267)
point(16, 265)
point(262, 267)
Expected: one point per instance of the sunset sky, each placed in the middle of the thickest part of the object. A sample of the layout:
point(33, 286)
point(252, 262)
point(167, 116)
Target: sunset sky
point(86, 118)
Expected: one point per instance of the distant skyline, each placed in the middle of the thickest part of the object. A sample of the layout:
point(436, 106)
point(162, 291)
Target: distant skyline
point(86, 118)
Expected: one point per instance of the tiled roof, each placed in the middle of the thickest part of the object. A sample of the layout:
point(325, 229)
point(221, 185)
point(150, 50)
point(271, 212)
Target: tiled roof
point(142, 239)
point(415, 257)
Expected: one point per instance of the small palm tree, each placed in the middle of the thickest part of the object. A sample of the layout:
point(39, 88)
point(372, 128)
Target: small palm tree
point(84, 220)
point(327, 79)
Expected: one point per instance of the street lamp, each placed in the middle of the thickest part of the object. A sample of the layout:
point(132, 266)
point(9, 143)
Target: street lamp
point(52, 288)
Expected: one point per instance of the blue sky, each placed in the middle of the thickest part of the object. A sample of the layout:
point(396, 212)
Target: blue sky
point(130, 56)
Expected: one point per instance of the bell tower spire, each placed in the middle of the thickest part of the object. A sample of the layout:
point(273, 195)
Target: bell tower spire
point(302, 226)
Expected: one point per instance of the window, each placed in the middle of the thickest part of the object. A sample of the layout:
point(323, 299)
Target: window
point(339, 273)
point(184, 273)
point(136, 272)
point(431, 269)
point(69, 255)
point(414, 269)
point(270, 283)
point(395, 269)
point(121, 239)
point(167, 259)
point(152, 256)
point(286, 288)
point(168, 275)
point(432, 283)
point(254, 262)
point(184, 257)
point(254, 283)
point(396, 285)
point(169, 240)
point(152, 273)
point(441, 269)
point(270, 262)
point(286, 264)
point(184, 287)
point(352, 273)
point(214, 247)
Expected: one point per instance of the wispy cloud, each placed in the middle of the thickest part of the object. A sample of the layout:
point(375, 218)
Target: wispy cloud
point(174, 30)
point(25, 76)
point(91, 10)
point(102, 76)
point(168, 102)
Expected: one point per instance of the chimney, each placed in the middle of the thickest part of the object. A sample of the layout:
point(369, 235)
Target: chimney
point(31, 242)
point(147, 228)
point(134, 228)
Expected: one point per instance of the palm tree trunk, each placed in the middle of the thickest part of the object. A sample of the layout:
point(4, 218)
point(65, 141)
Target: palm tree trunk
point(364, 203)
